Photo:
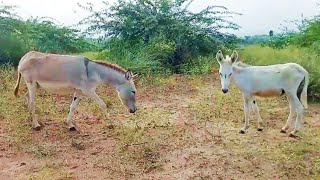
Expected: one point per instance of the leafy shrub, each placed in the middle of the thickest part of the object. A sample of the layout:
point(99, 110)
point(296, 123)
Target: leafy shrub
point(201, 65)
point(19, 36)
point(11, 49)
point(164, 30)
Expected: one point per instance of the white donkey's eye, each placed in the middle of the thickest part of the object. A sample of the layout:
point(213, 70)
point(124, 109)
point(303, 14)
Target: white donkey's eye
point(134, 92)
point(230, 74)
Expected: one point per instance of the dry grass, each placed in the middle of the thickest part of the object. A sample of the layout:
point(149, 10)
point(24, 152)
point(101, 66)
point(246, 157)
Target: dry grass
point(185, 128)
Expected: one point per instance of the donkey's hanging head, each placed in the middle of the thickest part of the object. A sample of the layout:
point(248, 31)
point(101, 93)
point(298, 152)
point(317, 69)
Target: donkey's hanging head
point(127, 92)
point(225, 69)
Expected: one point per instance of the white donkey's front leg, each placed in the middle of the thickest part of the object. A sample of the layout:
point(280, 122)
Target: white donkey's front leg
point(256, 109)
point(73, 106)
point(246, 101)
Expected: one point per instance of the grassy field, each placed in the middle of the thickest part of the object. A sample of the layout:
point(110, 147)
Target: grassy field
point(185, 128)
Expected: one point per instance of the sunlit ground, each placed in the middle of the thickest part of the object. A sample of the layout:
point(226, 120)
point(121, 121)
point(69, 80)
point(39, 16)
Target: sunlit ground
point(185, 128)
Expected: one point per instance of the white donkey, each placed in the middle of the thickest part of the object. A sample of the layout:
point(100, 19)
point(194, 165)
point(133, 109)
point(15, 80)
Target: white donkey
point(64, 74)
point(265, 81)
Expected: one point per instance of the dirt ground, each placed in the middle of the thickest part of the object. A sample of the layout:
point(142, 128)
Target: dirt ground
point(185, 128)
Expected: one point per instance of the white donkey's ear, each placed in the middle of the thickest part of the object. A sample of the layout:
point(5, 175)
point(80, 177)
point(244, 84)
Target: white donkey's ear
point(219, 56)
point(234, 56)
point(128, 75)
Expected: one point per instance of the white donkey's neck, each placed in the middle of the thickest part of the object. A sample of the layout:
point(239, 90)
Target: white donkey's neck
point(239, 75)
point(108, 75)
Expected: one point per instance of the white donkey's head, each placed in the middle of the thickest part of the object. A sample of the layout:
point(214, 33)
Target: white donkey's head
point(225, 69)
point(127, 92)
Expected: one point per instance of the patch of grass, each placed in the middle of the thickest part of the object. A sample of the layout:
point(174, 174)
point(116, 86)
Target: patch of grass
point(14, 116)
point(140, 140)
point(136, 153)
point(51, 173)
point(91, 55)
point(43, 150)
point(77, 144)
point(316, 168)
point(200, 65)
point(152, 118)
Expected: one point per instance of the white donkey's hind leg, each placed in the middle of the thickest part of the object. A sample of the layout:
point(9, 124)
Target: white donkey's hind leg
point(290, 117)
point(299, 109)
point(32, 93)
point(73, 106)
point(256, 109)
point(246, 100)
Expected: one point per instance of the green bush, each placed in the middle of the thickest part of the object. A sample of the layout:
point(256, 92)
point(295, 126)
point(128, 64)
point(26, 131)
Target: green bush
point(11, 49)
point(18, 36)
point(161, 31)
point(200, 65)
point(138, 58)
point(309, 33)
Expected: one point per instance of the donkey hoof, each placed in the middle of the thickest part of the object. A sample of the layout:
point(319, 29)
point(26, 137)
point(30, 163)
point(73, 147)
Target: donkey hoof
point(283, 131)
point(72, 129)
point(37, 128)
point(242, 131)
point(260, 129)
point(292, 135)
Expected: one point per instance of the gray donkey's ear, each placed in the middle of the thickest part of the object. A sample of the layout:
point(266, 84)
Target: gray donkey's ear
point(128, 75)
point(219, 56)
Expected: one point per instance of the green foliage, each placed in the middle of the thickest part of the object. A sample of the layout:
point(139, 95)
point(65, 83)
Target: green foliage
point(309, 33)
point(257, 55)
point(46, 36)
point(168, 32)
point(19, 36)
point(256, 39)
point(140, 58)
point(307, 36)
point(279, 41)
point(11, 48)
point(200, 65)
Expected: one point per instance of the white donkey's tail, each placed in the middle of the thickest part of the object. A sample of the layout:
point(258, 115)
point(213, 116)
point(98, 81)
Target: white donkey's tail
point(304, 93)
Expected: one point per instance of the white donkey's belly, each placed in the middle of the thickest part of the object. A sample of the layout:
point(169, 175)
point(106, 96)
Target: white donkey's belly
point(267, 88)
point(263, 86)
point(268, 92)
point(57, 87)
